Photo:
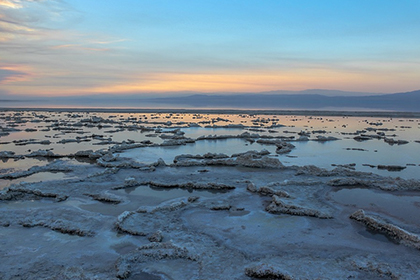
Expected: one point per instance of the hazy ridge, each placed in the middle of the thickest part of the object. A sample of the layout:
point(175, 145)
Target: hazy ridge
point(407, 101)
point(314, 99)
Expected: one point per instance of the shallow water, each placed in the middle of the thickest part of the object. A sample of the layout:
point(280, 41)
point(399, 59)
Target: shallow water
point(118, 127)
point(402, 206)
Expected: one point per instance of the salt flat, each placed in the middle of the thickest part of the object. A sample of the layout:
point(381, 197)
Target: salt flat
point(208, 195)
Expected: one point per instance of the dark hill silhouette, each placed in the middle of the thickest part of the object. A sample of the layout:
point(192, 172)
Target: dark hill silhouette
point(407, 101)
point(313, 99)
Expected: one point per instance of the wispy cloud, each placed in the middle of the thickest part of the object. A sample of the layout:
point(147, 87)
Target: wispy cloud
point(13, 73)
point(113, 49)
point(109, 42)
point(38, 40)
point(13, 4)
point(25, 19)
point(227, 81)
point(80, 47)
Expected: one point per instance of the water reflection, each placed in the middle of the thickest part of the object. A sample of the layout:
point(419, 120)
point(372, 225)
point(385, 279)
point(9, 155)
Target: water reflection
point(70, 132)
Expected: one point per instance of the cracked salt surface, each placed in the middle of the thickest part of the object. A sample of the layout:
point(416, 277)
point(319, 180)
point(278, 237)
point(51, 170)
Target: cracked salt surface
point(209, 216)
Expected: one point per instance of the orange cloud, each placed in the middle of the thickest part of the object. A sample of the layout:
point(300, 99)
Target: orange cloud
point(47, 84)
point(15, 4)
point(79, 47)
point(241, 82)
point(10, 4)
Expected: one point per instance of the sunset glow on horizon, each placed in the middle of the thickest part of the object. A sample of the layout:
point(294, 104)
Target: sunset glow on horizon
point(75, 47)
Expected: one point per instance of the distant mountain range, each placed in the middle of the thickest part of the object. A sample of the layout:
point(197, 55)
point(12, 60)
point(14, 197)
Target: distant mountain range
point(407, 101)
point(314, 99)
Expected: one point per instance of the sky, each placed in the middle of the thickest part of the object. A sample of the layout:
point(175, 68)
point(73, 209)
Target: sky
point(152, 47)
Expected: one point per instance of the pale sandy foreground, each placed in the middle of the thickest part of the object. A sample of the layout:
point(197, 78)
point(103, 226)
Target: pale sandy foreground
point(212, 215)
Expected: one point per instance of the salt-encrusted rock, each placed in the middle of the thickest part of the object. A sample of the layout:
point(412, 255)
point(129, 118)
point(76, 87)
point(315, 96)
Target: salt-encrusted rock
point(168, 206)
point(337, 182)
point(392, 141)
point(97, 154)
point(25, 142)
point(361, 138)
point(391, 167)
point(86, 153)
point(177, 142)
point(325, 138)
point(156, 237)
point(263, 162)
point(348, 166)
point(191, 185)
point(120, 226)
point(251, 159)
point(216, 137)
point(356, 149)
point(93, 119)
point(160, 163)
point(65, 141)
point(9, 154)
point(305, 133)
point(66, 220)
point(44, 153)
point(284, 147)
point(184, 157)
point(269, 191)
point(226, 126)
point(30, 130)
point(251, 187)
point(146, 220)
point(109, 157)
point(192, 199)
point(125, 146)
point(59, 225)
point(377, 223)
point(278, 206)
point(105, 197)
point(319, 131)
point(266, 271)
point(381, 270)
point(169, 136)
point(411, 184)
point(303, 138)
point(311, 170)
point(8, 129)
point(215, 156)
point(270, 141)
point(221, 207)
point(253, 153)
point(120, 162)
point(20, 192)
point(154, 251)
point(131, 182)
point(377, 182)
point(321, 172)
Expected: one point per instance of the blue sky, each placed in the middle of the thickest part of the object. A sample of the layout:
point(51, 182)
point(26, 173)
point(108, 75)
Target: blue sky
point(75, 47)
